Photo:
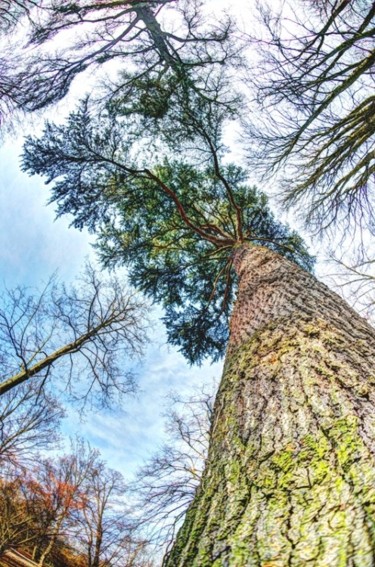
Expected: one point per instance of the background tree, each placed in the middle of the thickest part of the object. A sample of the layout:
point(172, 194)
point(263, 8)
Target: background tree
point(131, 33)
point(166, 484)
point(315, 85)
point(103, 528)
point(18, 524)
point(70, 509)
point(29, 423)
point(89, 329)
point(354, 278)
point(61, 492)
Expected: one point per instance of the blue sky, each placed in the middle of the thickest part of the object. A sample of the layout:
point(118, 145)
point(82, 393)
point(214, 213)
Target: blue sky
point(34, 245)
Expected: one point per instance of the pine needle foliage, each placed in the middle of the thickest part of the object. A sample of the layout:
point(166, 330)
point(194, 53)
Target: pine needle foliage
point(174, 222)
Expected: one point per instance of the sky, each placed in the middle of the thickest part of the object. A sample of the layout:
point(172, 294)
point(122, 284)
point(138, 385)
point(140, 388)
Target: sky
point(33, 246)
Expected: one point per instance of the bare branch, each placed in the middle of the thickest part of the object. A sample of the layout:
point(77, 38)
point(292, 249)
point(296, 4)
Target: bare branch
point(93, 327)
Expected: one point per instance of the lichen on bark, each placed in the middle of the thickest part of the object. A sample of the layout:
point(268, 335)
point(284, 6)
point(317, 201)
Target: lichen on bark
point(290, 476)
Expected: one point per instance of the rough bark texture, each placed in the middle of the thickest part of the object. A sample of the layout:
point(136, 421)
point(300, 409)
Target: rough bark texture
point(290, 477)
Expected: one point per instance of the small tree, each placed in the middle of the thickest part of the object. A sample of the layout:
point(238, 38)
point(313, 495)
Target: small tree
point(103, 525)
point(18, 522)
point(353, 275)
point(29, 422)
point(62, 494)
point(71, 509)
point(166, 484)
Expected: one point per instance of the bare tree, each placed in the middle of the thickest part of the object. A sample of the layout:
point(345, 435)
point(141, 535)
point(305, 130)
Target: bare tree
point(18, 525)
point(167, 483)
point(353, 275)
point(70, 508)
point(62, 493)
point(130, 32)
point(12, 14)
point(77, 338)
point(12, 10)
point(38, 503)
point(102, 528)
point(28, 423)
point(315, 85)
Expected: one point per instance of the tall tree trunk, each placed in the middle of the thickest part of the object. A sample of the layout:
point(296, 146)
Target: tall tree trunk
point(290, 476)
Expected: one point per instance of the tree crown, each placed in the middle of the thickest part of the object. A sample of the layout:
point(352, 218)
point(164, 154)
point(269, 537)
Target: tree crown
point(174, 223)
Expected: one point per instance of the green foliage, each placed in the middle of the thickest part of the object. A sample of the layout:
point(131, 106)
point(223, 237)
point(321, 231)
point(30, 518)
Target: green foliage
point(175, 223)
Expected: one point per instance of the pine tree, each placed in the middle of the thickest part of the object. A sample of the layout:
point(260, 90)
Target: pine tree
point(290, 473)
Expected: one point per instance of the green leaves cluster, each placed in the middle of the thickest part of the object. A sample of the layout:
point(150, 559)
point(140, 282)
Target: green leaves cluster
point(174, 225)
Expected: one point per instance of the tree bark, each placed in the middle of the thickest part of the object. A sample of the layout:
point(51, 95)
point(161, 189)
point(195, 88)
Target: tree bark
point(290, 476)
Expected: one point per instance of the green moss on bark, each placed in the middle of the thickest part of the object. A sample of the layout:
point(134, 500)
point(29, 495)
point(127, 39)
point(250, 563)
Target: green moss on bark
point(290, 478)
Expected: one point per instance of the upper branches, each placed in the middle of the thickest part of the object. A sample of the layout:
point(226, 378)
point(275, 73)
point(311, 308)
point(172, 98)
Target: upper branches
point(66, 38)
point(11, 11)
point(317, 91)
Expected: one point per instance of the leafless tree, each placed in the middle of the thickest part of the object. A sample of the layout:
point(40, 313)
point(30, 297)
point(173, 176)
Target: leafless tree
point(18, 526)
point(166, 484)
point(12, 10)
point(77, 338)
point(102, 527)
point(62, 493)
point(28, 423)
point(315, 86)
point(64, 38)
point(353, 275)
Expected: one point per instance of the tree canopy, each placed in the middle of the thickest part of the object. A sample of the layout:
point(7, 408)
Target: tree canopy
point(63, 39)
point(174, 223)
